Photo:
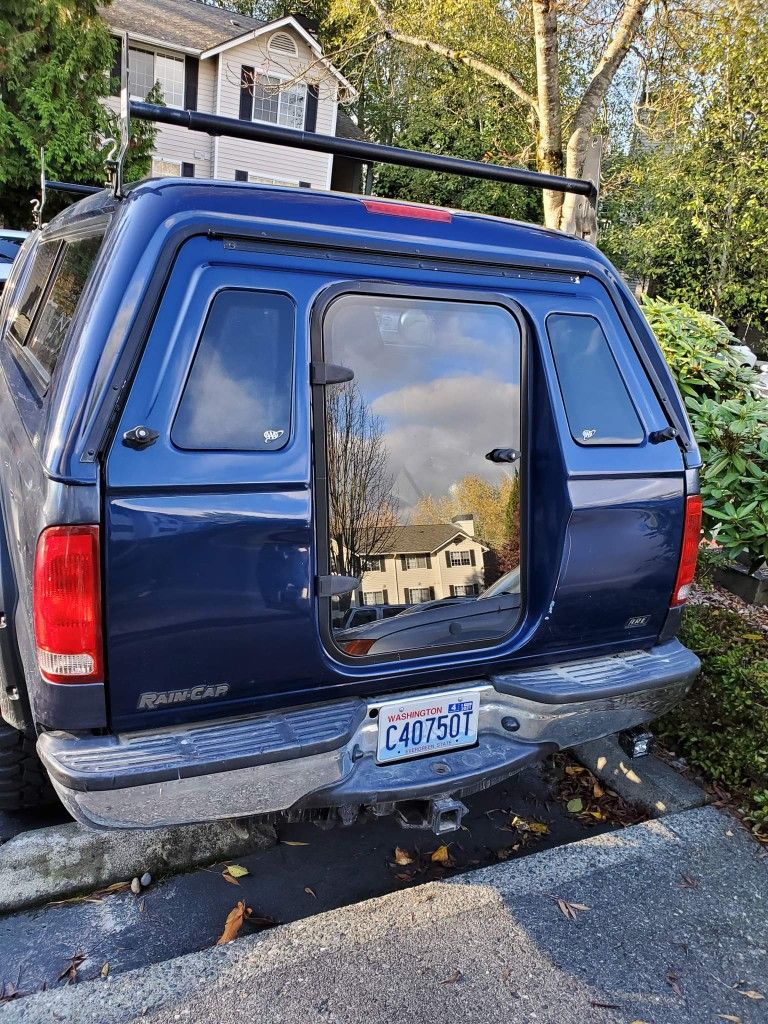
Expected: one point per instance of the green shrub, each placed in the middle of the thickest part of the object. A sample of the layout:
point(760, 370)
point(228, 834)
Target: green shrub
point(730, 423)
point(722, 727)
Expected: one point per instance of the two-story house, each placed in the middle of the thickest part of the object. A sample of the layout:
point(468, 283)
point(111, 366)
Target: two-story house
point(416, 564)
point(208, 59)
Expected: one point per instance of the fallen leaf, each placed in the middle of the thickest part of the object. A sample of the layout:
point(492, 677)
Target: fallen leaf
point(70, 971)
point(730, 1017)
point(752, 636)
point(141, 907)
point(538, 828)
point(441, 855)
point(402, 857)
point(575, 806)
point(574, 769)
point(638, 1022)
point(237, 871)
point(673, 980)
point(568, 909)
point(229, 878)
point(604, 1006)
point(235, 919)
point(104, 970)
point(689, 882)
point(598, 815)
point(597, 791)
point(456, 976)
point(291, 842)
point(750, 993)
point(310, 892)
point(403, 878)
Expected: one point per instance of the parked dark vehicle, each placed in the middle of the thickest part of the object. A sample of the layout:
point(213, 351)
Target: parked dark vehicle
point(10, 243)
point(368, 613)
point(222, 405)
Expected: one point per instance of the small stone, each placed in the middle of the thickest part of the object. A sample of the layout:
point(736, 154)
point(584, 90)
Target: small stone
point(146, 879)
point(136, 886)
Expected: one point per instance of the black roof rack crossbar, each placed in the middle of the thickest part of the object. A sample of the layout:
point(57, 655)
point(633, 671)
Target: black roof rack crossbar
point(366, 152)
point(72, 187)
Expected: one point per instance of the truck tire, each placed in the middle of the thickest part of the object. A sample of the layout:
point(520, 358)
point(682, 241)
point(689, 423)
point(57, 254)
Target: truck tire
point(24, 783)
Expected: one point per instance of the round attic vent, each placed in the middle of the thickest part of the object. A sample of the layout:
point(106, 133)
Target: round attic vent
point(282, 42)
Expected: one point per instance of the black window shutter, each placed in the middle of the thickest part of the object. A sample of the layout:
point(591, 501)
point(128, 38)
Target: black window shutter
point(448, 559)
point(385, 595)
point(429, 561)
point(453, 590)
point(471, 556)
point(246, 93)
point(431, 593)
point(407, 592)
point(187, 170)
point(241, 175)
point(310, 112)
point(402, 562)
point(191, 68)
point(117, 61)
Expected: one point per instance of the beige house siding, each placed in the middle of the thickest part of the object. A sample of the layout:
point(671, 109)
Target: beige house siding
point(278, 163)
point(395, 580)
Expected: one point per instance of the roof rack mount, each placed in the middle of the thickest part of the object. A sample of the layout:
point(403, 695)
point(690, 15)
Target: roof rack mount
point(366, 152)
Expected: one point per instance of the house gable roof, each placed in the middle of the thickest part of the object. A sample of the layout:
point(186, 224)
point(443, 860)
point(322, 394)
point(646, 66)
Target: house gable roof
point(420, 540)
point(273, 26)
point(187, 24)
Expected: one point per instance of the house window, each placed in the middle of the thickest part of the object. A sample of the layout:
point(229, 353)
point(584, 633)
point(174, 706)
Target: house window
point(145, 68)
point(461, 557)
point(372, 563)
point(187, 170)
point(418, 595)
point(467, 590)
point(241, 175)
point(278, 105)
point(373, 597)
point(416, 562)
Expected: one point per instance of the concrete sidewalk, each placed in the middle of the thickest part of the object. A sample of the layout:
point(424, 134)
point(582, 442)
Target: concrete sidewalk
point(677, 924)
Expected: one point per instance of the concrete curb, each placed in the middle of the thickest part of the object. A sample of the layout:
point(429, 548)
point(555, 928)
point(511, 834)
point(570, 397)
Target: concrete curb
point(68, 860)
point(302, 961)
point(646, 782)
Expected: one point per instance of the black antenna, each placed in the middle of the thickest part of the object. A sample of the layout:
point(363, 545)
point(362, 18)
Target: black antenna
point(366, 152)
point(72, 187)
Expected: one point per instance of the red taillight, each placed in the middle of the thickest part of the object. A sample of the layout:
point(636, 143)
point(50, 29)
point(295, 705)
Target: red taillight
point(406, 210)
point(67, 604)
point(358, 647)
point(689, 550)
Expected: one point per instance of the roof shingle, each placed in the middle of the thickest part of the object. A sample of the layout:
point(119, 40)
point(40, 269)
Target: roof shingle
point(191, 24)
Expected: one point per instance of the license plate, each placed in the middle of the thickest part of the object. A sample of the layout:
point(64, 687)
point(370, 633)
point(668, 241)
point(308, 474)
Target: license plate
point(427, 725)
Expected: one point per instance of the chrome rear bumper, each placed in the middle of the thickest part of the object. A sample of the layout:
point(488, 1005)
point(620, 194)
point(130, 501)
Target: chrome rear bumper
point(325, 755)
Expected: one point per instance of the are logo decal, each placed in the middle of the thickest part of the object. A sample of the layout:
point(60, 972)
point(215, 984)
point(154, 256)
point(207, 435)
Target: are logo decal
point(586, 434)
point(273, 435)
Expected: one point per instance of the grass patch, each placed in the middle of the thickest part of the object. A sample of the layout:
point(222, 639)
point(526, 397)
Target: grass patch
point(722, 728)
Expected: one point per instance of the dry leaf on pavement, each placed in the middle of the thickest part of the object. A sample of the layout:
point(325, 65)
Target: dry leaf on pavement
point(292, 842)
point(689, 882)
point(237, 871)
point(235, 920)
point(568, 909)
point(750, 993)
point(672, 978)
point(441, 855)
point(575, 806)
point(456, 976)
point(70, 971)
point(402, 857)
point(105, 969)
point(310, 892)
point(730, 1017)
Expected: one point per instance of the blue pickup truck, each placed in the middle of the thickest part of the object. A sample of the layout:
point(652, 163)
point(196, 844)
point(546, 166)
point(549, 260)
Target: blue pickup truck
point(229, 413)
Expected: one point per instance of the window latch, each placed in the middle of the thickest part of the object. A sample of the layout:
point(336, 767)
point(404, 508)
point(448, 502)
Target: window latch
point(140, 437)
point(330, 373)
point(503, 455)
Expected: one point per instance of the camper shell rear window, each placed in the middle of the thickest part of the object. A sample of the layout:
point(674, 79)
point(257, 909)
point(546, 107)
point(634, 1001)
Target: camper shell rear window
point(597, 402)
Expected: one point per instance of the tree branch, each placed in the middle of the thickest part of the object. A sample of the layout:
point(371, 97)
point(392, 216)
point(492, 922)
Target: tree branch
point(609, 64)
point(509, 81)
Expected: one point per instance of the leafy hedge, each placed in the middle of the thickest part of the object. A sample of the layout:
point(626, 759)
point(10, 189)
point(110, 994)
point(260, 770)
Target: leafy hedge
point(722, 728)
point(729, 420)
